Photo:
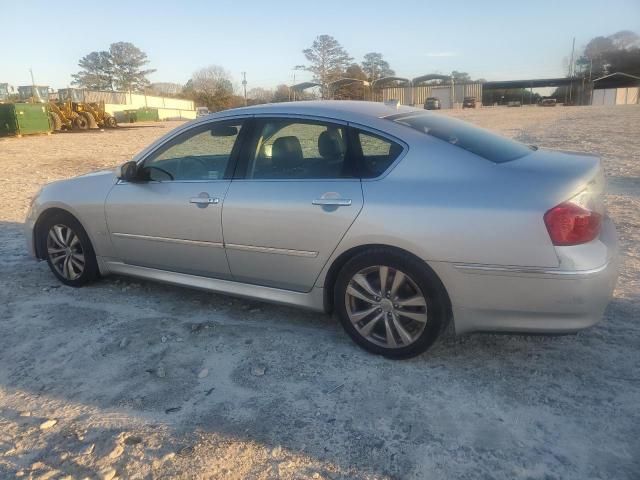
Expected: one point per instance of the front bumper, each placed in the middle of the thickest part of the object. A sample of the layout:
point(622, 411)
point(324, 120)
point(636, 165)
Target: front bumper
point(29, 232)
point(517, 299)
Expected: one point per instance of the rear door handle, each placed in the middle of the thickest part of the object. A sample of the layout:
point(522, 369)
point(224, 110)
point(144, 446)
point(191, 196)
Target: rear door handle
point(204, 200)
point(337, 202)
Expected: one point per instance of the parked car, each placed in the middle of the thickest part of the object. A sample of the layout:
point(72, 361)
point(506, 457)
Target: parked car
point(396, 219)
point(432, 103)
point(469, 102)
point(514, 103)
point(548, 102)
point(202, 111)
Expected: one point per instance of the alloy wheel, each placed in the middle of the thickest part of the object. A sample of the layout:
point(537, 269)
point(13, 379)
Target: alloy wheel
point(386, 306)
point(65, 252)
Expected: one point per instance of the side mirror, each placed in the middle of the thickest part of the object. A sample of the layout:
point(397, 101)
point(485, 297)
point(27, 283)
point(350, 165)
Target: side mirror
point(128, 171)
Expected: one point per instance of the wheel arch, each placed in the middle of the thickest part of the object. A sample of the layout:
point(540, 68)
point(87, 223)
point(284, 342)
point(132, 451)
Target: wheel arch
point(344, 257)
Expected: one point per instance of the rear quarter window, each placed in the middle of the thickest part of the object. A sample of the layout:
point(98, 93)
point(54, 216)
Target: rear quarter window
point(483, 143)
point(378, 154)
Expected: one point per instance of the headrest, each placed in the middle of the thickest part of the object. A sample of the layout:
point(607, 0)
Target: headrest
point(286, 152)
point(331, 145)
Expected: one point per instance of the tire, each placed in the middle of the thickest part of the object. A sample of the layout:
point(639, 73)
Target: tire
point(68, 250)
point(110, 121)
point(81, 122)
point(56, 123)
point(407, 322)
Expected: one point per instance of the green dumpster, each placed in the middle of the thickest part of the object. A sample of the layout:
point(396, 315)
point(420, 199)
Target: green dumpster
point(24, 118)
point(147, 114)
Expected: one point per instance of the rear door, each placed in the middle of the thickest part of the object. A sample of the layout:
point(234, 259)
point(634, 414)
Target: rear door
point(295, 194)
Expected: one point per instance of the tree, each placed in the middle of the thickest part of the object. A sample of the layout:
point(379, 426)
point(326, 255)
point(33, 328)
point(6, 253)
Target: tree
point(259, 95)
point(119, 68)
point(328, 60)
point(281, 94)
point(618, 52)
point(128, 62)
point(375, 67)
point(355, 90)
point(96, 73)
point(460, 77)
point(211, 87)
point(168, 89)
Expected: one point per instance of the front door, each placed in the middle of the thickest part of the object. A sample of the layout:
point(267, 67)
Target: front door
point(298, 195)
point(171, 218)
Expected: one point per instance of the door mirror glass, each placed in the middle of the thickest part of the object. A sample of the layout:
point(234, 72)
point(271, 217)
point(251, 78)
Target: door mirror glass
point(128, 171)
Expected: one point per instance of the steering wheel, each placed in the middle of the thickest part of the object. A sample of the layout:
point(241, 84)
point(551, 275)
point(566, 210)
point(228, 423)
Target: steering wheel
point(152, 167)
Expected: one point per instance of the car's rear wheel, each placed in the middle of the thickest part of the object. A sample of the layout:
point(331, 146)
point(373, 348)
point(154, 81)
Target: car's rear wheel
point(390, 303)
point(68, 250)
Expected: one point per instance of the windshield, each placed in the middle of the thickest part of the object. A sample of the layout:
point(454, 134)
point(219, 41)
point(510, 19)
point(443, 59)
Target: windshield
point(476, 140)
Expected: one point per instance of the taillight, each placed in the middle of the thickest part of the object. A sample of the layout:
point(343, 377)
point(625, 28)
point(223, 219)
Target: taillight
point(571, 224)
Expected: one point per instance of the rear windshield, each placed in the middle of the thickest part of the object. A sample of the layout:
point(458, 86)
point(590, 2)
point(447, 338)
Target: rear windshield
point(476, 140)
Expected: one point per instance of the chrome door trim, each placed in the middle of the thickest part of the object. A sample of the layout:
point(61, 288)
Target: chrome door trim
point(277, 251)
point(204, 200)
point(528, 271)
point(332, 202)
point(169, 240)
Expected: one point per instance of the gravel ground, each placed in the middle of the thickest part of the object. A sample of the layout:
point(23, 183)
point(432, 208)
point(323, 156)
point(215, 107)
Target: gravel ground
point(131, 379)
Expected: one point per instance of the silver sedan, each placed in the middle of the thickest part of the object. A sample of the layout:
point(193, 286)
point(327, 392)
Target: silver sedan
point(397, 219)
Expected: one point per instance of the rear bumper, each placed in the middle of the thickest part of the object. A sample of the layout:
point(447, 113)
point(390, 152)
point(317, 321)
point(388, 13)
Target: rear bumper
point(520, 299)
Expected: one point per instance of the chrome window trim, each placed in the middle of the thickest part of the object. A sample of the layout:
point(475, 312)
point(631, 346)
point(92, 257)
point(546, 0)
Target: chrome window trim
point(173, 182)
point(199, 243)
point(302, 116)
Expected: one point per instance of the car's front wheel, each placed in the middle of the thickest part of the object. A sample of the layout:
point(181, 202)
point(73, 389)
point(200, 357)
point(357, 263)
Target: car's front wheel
point(390, 303)
point(68, 250)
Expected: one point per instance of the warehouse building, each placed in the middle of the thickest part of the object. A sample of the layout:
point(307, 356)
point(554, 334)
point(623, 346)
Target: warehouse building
point(416, 91)
point(616, 89)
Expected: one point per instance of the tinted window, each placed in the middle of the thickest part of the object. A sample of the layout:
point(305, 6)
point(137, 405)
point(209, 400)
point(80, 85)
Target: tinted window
point(488, 145)
point(288, 149)
point(202, 153)
point(378, 154)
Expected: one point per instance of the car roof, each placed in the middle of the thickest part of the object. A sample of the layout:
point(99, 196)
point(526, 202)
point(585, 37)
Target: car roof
point(348, 110)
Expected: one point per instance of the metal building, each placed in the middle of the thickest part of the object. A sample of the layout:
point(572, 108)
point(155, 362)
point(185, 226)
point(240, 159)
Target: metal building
point(415, 92)
point(616, 89)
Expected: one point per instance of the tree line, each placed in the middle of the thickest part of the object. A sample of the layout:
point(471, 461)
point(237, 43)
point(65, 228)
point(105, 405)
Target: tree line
point(124, 67)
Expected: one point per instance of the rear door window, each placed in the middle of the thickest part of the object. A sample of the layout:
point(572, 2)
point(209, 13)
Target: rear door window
point(300, 149)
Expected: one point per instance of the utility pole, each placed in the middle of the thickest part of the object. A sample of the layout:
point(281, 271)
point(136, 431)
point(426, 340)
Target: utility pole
point(33, 86)
point(571, 68)
point(244, 87)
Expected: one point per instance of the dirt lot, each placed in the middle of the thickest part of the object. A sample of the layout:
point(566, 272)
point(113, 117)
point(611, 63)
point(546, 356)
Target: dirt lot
point(140, 380)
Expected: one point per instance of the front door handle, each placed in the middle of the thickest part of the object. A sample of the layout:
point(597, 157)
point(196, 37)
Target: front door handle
point(334, 202)
point(204, 200)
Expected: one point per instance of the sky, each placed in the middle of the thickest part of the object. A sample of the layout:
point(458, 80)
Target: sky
point(495, 40)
